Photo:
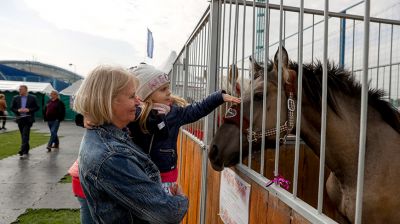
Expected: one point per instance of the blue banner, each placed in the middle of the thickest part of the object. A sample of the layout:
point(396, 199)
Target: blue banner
point(150, 44)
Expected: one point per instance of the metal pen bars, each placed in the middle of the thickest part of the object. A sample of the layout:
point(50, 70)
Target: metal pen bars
point(232, 30)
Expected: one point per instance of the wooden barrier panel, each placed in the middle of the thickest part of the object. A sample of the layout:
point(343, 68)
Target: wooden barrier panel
point(190, 177)
point(264, 207)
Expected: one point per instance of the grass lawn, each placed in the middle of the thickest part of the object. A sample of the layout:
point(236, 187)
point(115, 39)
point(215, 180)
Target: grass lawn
point(49, 216)
point(11, 141)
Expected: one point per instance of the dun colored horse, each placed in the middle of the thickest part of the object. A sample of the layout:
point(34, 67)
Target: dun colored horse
point(381, 201)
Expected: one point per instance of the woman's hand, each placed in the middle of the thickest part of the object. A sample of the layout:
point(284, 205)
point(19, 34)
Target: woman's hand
point(176, 189)
point(229, 98)
point(87, 123)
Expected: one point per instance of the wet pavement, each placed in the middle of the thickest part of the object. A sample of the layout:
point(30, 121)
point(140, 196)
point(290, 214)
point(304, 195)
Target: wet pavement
point(33, 182)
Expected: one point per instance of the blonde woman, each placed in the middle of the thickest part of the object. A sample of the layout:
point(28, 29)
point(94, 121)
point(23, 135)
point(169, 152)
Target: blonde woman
point(3, 111)
point(121, 183)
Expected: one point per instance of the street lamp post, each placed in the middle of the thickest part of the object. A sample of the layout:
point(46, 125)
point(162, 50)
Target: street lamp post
point(70, 64)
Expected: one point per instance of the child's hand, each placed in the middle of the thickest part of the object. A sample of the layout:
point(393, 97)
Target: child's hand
point(229, 98)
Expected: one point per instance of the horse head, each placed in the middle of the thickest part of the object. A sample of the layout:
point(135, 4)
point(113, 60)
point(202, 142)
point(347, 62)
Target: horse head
point(224, 150)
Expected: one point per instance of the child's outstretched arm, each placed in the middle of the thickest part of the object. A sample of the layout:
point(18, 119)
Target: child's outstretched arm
point(197, 110)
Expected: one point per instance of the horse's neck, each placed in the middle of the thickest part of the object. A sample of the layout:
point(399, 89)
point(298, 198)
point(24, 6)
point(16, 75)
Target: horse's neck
point(341, 136)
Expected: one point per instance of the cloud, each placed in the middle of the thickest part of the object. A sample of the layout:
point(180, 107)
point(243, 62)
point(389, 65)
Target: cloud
point(170, 21)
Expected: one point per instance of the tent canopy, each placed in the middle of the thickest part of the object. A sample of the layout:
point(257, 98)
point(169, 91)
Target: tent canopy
point(71, 90)
point(35, 87)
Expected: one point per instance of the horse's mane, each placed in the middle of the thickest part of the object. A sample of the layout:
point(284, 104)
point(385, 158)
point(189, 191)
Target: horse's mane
point(341, 80)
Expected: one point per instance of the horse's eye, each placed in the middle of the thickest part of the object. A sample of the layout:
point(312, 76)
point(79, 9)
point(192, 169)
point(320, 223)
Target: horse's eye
point(258, 96)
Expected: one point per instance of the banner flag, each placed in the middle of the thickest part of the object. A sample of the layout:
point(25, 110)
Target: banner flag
point(150, 44)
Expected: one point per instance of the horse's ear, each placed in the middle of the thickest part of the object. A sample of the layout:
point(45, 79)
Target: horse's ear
point(285, 58)
point(288, 74)
point(256, 68)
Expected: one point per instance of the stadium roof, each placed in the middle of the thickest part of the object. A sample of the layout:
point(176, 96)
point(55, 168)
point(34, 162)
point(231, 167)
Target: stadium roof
point(43, 69)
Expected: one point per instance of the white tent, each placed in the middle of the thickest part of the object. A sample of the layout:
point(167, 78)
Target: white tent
point(71, 90)
point(35, 87)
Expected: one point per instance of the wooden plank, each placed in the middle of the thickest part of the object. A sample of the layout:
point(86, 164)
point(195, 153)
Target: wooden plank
point(264, 207)
point(298, 219)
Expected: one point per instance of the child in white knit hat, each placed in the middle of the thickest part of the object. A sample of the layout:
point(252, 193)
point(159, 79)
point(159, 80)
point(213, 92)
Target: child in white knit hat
point(154, 91)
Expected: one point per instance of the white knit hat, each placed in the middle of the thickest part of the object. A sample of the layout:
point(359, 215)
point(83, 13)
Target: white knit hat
point(150, 79)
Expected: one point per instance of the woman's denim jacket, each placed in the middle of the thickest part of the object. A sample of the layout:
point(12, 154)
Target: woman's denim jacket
point(121, 183)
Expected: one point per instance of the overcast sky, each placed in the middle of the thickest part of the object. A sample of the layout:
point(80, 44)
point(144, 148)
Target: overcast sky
point(86, 33)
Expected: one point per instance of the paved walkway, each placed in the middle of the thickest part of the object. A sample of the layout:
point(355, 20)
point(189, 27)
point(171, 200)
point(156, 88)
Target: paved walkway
point(33, 182)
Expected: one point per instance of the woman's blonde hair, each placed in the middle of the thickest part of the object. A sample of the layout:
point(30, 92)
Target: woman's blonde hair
point(148, 105)
point(95, 96)
point(2, 96)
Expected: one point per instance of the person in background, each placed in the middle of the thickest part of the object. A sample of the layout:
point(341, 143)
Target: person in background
point(154, 91)
point(120, 182)
point(3, 111)
point(54, 113)
point(24, 107)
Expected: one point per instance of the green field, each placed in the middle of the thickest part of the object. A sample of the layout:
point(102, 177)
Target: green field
point(49, 216)
point(11, 141)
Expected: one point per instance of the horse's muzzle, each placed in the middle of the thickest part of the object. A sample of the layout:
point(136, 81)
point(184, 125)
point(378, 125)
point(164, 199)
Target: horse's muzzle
point(216, 163)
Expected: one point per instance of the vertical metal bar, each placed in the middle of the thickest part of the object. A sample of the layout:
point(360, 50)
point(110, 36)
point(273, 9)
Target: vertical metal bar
point(213, 57)
point(377, 64)
point(352, 52)
point(235, 46)
point(342, 42)
point(299, 100)
point(266, 55)
point(390, 63)
point(284, 28)
point(203, 60)
point(363, 119)
point(192, 70)
point(173, 78)
point(186, 71)
point(278, 103)
point(323, 113)
point(398, 83)
point(241, 92)
point(383, 77)
point(312, 40)
point(195, 74)
point(229, 45)
point(252, 83)
point(222, 55)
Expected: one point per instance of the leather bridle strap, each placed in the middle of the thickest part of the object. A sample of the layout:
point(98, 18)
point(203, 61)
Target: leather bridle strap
point(232, 116)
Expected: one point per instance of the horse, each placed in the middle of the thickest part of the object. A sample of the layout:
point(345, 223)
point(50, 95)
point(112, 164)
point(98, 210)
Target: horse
point(382, 155)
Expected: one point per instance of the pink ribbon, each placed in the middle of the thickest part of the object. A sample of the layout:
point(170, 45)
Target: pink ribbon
point(281, 181)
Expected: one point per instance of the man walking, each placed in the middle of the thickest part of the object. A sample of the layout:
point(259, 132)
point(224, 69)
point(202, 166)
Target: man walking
point(24, 107)
point(54, 113)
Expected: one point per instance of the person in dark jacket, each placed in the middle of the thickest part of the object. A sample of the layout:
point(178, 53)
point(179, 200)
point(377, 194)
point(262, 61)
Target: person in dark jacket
point(156, 95)
point(24, 107)
point(54, 113)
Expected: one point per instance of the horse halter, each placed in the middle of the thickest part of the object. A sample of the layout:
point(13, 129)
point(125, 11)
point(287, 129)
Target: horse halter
point(232, 116)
